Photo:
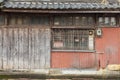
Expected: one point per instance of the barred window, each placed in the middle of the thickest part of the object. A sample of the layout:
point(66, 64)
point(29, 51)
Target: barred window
point(67, 39)
point(107, 21)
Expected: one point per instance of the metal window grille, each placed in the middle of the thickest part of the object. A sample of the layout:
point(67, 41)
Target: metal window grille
point(67, 39)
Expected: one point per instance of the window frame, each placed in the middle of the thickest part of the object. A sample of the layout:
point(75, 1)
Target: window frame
point(26, 22)
point(103, 16)
point(73, 49)
point(73, 21)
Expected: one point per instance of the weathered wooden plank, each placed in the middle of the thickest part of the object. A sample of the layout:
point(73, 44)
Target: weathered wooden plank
point(36, 53)
point(16, 48)
point(10, 48)
point(21, 34)
point(25, 51)
point(33, 49)
point(30, 47)
point(39, 48)
point(1, 41)
point(47, 48)
point(42, 54)
point(5, 48)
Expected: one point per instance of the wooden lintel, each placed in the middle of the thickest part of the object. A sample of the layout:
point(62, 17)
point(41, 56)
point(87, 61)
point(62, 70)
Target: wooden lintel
point(60, 11)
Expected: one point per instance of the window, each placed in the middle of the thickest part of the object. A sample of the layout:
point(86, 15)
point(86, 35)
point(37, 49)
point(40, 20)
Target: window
point(28, 20)
point(2, 20)
point(107, 21)
point(39, 20)
point(81, 21)
point(14, 20)
point(75, 39)
point(63, 21)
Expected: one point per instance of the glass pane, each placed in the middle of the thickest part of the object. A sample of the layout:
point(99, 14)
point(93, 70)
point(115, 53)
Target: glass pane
point(90, 21)
point(44, 21)
point(63, 21)
point(113, 21)
point(26, 20)
point(19, 20)
point(101, 21)
point(69, 21)
point(12, 20)
point(84, 21)
point(39, 20)
point(78, 21)
point(56, 21)
point(107, 22)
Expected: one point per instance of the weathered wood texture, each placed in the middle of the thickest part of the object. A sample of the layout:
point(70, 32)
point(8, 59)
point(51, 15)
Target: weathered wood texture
point(24, 48)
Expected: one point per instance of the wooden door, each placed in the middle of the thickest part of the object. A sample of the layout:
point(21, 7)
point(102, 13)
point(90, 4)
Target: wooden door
point(24, 48)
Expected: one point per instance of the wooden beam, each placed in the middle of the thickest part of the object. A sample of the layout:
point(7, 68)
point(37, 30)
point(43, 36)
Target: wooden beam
point(13, 75)
point(62, 11)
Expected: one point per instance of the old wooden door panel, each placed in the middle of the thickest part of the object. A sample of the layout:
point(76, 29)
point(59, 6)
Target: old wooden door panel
point(24, 48)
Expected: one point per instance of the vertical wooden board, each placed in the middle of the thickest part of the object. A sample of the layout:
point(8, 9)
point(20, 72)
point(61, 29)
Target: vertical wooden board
point(16, 48)
point(34, 41)
point(36, 51)
point(10, 48)
point(30, 47)
point(21, 34)
point(5, 47)
point(25, 51)
point(42, 54)
point(39, 48)
point(1, 48)
point(47, 48)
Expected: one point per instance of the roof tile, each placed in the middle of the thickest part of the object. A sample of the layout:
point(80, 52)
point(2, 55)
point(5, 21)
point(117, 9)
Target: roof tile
point(59, 5)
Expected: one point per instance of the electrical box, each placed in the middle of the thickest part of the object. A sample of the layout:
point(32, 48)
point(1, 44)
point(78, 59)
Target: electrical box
point(99, 32)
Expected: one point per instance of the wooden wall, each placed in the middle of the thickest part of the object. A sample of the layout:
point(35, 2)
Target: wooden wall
point(24, 48)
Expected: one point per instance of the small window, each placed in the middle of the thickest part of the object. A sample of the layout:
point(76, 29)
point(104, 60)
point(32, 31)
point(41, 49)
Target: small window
point(101, 21)
point(73, 21)
point(2, 20)
point(67, 39)
point(107, 21)
point(84, 21)
point(28, 20)
point(63, 21)
point(77, 21)
point(15, 20)
point(90, 21)
point(113, 21)
point(39, 20)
